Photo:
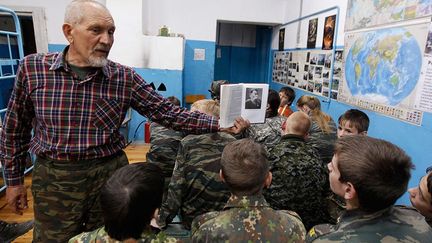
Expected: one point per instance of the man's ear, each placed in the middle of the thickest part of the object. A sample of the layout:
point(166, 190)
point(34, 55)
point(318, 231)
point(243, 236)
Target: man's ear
point(67, 32)
point(268, 180)
point(221, 176)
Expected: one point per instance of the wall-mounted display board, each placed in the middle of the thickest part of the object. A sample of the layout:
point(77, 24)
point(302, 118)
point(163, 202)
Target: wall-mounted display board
point(309, 70)
point(382, 65)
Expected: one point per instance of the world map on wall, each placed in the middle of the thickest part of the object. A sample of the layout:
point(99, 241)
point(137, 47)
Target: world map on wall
point(383, 65)
point(367, 13)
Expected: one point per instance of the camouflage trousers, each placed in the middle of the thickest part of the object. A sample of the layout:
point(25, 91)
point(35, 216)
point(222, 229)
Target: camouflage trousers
point(66, 195)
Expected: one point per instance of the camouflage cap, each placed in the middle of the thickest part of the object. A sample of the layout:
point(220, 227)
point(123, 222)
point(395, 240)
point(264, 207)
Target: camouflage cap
point(215, 88)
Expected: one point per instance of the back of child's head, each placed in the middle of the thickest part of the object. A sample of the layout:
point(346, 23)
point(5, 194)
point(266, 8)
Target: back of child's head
point(244, 167)
point(207, 106)
point(298, 123)
point(129, 199)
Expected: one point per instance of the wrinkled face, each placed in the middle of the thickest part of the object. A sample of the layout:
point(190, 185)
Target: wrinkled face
point(346, 128)
point(334, 175)
point(92, 38)
point(420, 198)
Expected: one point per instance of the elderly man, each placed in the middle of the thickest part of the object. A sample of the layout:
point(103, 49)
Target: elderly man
point(75, 101)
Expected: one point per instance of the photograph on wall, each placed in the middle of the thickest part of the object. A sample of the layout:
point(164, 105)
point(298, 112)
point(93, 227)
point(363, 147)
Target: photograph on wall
point(281, 39)
point(329, 26)
point(312, 33)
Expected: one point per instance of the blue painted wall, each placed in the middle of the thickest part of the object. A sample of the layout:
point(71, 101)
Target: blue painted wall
point(173, 82)
point(415, 140)
point(197, 75)
point(245, 64)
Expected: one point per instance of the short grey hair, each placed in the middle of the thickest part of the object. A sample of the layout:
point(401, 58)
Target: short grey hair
point(74, 12)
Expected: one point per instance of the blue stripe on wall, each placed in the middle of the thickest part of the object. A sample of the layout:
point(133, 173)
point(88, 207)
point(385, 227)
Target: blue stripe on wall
point(56, 47)
point(415, 140)
point(173, 82)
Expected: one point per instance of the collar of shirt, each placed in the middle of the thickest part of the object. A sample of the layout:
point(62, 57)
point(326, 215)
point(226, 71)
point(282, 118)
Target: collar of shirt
point(60, 62)
point(246, 201)
point(293, 137)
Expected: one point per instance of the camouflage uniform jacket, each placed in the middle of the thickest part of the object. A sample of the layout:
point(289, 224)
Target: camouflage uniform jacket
point(393, 224)
point(101, 236)
point(300, 180)
point(268, 133)
point(164, 146)
point(248, 219)
point(323, 142)
point(195, 186)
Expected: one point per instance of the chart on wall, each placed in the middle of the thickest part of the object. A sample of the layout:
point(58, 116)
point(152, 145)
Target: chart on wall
point(382, 68)
point(367, 13)
point(309, 70)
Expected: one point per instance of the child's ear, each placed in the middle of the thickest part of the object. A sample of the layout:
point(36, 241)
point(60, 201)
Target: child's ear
point(221, 176)
point(364, 133)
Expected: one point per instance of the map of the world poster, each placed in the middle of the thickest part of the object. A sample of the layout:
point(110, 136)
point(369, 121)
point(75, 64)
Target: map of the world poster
point(369, 13)
point(382, 68)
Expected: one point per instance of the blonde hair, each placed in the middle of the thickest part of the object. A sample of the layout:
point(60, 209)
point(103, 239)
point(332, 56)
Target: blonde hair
point(207, 106)
point(315, 113)
point(298, 123)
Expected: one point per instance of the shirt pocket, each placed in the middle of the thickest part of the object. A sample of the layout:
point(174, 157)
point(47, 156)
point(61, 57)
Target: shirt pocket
point(107, 114)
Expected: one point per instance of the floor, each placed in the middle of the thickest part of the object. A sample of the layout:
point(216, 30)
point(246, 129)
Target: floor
point(136, 152)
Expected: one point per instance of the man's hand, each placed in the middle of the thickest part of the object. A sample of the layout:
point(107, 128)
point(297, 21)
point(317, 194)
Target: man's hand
point(239, 126)
point(16, 197)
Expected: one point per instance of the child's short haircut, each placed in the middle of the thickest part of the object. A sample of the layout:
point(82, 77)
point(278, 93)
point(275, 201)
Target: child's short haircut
point(378, 170)
point(129, 199)
point(207, 106)
point(357, 118)
point(244, 167)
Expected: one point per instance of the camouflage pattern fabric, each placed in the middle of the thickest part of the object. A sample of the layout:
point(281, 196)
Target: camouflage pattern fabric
point(268, 133)
point(195, 186)
point(300, 180)
point(248, 219)
point(323, 142)
point(66, 195)
point(164, 146)
point(393, 224)
point(101, 236)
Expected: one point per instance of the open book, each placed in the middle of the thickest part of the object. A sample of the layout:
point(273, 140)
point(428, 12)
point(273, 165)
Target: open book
point(246, 100)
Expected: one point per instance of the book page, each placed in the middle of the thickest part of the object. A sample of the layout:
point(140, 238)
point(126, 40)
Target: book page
point(254, 102)
point(230, 104)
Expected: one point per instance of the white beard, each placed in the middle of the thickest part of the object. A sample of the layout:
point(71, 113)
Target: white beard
point(97, 61)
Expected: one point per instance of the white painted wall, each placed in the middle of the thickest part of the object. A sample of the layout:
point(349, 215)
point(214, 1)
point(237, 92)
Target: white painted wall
point(197, 19)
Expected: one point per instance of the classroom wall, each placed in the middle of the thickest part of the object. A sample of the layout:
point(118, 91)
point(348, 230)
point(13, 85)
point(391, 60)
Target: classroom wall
point(157, 59)
point(197, 22)
point(415, 140)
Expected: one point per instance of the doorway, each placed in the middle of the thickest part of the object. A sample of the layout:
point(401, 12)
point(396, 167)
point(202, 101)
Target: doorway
point(242, 52)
